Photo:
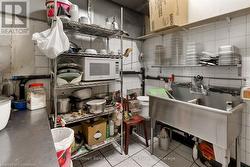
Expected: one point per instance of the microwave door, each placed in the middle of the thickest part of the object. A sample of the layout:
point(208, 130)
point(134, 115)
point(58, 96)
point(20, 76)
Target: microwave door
point(98, 69)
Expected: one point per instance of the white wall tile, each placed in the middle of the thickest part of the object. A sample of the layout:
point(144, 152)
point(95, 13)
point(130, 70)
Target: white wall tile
point(239, 30)
point(239, 41)
point(41, 61)
point(222, 33)
point(209, 35)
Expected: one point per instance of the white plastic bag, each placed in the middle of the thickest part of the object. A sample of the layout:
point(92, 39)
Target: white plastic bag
point(53, 41)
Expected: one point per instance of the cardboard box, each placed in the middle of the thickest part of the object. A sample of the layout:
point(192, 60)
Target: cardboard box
point(77, 128)
point(95, 133)
point(167, 13)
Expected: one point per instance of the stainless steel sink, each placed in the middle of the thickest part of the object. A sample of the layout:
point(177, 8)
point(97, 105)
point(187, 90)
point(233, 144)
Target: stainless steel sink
point(202, 116)
point(213, 100)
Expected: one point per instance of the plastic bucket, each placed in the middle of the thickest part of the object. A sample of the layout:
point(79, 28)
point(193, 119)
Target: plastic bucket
point(144, 105)
point(65, 4)
point(63, 138)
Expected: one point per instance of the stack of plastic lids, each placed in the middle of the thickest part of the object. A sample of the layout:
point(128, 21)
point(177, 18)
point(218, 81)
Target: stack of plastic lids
point(193, 52)
point(229, 55)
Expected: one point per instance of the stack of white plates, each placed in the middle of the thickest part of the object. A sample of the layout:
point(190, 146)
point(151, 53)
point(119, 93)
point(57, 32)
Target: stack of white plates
point(229, 55)
point(193, 53)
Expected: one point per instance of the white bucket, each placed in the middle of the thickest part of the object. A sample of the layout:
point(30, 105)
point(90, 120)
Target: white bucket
point(144, 105)
point(63, 138)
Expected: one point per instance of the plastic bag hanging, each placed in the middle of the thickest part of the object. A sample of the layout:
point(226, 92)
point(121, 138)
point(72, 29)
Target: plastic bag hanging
point(52, 42)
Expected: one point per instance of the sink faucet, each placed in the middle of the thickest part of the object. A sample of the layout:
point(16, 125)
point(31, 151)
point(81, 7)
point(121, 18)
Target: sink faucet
point(198, 87)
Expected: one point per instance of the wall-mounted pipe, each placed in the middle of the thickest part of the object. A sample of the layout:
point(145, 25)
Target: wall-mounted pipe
point(142, 72)
point(24, 79)
point(182, 76)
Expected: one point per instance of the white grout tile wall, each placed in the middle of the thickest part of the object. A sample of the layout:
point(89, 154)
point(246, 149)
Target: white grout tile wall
point(212, 35)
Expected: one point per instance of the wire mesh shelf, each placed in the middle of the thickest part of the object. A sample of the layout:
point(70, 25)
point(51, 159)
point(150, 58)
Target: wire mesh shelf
point(89, 29)
point(98, 55)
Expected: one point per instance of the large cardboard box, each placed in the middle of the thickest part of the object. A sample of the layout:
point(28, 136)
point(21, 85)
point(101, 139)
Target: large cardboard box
point(95, 133)
point(167, 13)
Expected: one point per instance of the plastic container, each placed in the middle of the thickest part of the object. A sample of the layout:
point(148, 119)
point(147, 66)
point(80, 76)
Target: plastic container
point(19, 105)
point(164, 140)
point(65, 4)
point(74, 12)
point(245, 93)
point(63, 138)
point(111, 128)
point(36, 96)
point(144, 105)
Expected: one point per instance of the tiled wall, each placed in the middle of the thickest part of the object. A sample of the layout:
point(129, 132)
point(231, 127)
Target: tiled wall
point(212, 35)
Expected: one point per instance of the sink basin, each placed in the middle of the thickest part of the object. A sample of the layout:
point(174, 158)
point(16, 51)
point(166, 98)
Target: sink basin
point(202, 116)
point(213, 100)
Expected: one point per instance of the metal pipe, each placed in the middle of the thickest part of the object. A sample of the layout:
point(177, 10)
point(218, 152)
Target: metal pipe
point(131, 72)
point(121, 74)
point(143, 81)
point(182, 76)
point(219, 78)
point(55, 91)
point(29, 77)
point(142, 72)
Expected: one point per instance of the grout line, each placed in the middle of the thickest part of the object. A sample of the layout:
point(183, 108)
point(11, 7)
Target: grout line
point(183, 157)
point(105, 158)
point(130, 156)
point(192, 164)
point(163, 157)
point(136, 162)
point(172, 150)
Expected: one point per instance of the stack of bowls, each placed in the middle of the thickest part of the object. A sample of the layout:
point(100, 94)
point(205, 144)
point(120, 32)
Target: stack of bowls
point(229, 55)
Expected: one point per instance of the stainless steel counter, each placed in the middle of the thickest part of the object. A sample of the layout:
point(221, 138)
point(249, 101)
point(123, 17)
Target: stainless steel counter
point(27, 141)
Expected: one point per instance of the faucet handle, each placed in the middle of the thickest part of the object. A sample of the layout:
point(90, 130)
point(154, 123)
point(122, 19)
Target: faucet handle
point(199, 77)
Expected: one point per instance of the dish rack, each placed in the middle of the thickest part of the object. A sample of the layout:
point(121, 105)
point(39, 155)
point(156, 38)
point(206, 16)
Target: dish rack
point(95, 31)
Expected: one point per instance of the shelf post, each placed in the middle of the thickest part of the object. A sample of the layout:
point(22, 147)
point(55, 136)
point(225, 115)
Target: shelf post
point(121, 75)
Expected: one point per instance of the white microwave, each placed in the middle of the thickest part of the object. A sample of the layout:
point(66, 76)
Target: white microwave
point(100, 68)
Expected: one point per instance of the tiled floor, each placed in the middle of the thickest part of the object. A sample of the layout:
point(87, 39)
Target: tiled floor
point(178, 155)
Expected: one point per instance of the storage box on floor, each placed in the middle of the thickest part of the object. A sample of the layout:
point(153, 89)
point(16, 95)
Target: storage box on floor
point(167, 13)
point(95, 132)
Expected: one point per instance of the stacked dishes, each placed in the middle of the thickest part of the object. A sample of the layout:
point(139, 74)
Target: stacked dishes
point(229, 55)
point(208, 58)
point(176, 49)
point(69, 72)
point(193, 53)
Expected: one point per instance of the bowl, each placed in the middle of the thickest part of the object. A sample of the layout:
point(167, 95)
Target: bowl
point(90, 51)
point(5, 109)
point(83, 93)
point(96, 106)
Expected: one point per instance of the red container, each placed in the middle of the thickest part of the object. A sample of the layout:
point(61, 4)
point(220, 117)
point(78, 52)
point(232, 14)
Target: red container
point(60, 3)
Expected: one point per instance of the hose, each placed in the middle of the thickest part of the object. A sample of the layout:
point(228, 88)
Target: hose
point(197, 163)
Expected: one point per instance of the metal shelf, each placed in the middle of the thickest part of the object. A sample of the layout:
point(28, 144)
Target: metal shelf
point(97, 147)
point(85, 85)
point(183, 66)
point(83, 54)
point(70, 120)
point(89, 29)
